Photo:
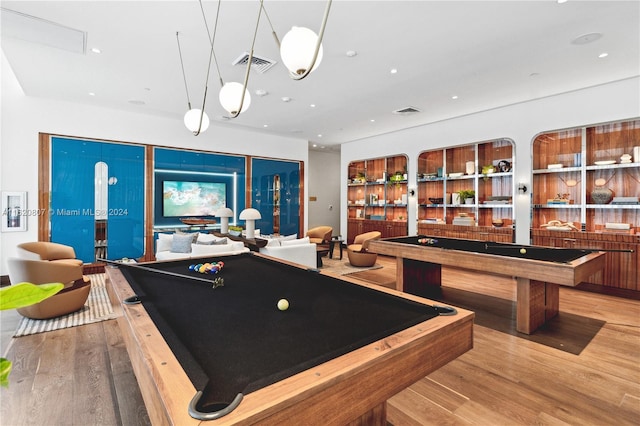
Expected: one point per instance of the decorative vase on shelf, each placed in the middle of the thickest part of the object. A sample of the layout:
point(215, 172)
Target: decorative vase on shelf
point(470, 167)
point(601, 195)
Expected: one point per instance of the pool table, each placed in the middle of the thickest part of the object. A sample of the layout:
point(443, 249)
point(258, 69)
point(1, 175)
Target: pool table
point(538, 270)
point(334, 356)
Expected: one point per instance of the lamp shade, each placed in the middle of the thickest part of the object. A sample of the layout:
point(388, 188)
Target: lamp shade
point(297, 49)
point(192, 120)
point(250, 214)
point(230, 96)
point(224, 212)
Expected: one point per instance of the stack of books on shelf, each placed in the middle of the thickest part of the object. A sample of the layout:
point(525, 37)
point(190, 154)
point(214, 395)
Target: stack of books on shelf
point(621, 228)
point(559, 201)
point(464, 220)
point(625, 200)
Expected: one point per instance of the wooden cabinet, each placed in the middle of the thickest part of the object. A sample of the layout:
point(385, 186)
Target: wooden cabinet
point(388, 228)
point(586, 185)
point(377, 196)
point(483, 233)
point(486, 169)
point(621, 267)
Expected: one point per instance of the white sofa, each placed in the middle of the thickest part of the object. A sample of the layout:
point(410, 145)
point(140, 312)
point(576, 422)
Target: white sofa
point(194, 245)
point(298, 250)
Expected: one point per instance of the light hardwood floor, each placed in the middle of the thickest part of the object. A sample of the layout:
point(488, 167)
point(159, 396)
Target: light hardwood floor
point(583, 369)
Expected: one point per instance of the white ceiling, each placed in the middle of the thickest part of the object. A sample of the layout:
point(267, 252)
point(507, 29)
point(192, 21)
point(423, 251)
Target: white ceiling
point(488, 53)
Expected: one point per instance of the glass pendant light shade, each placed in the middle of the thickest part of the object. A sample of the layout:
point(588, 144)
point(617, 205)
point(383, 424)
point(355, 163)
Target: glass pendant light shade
point(297, 49)
point(230, 96)
point(192, 120)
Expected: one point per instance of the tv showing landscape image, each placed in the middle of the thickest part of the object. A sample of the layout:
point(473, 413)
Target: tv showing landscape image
point(188, 199)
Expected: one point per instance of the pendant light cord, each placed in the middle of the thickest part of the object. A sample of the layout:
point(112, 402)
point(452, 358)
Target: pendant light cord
point(184, 77)
point(213, 39)
point(246, 76)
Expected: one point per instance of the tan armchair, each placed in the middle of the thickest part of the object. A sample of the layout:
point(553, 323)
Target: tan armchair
point(320, 234)
point(52, 252)
point(358, 251)
point(70, 299)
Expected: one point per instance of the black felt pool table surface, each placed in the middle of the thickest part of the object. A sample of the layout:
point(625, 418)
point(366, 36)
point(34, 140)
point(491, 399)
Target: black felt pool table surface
point(233, 339)
point(546, 254)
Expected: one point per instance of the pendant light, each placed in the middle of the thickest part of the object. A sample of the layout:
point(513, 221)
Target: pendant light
point(301, 49)
point(234, 97)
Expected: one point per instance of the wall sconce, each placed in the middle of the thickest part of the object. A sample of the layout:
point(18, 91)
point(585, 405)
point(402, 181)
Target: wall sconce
point(522, 188)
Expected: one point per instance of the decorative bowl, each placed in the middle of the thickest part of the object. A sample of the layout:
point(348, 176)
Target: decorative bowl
point(497, 223)
point(436, 200)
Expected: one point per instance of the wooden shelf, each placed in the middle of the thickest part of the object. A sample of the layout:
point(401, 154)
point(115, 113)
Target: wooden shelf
point(374, 194)
point(434, 181)
point(578, 150)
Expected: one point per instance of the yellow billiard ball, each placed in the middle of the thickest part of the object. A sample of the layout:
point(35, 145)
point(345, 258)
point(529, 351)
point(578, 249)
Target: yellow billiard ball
point(283, 304)
point(523, 251)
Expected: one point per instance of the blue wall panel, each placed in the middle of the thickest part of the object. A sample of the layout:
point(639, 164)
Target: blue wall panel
point(263, 173)
point(73, 197)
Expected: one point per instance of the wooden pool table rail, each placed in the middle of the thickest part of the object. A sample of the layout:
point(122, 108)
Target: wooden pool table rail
point(350, 388)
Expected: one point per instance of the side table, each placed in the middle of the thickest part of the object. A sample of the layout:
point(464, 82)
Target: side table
point(332, 243)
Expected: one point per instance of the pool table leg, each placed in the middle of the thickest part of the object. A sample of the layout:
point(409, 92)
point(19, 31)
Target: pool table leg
point(537, 302)
point(418, 277)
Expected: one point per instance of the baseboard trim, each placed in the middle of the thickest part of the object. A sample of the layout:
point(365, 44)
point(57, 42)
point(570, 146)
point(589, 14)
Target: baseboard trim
point(611, 291)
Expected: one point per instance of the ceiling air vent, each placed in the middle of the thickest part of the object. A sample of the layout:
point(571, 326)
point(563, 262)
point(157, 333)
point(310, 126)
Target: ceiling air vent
point(258, 63)
point(406, 111)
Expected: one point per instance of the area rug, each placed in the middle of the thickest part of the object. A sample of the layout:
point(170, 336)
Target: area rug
point(343, 267)
point(98, 308)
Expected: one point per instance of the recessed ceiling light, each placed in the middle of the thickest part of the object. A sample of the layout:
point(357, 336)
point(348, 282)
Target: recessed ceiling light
point(394, 70)
point(319, 135)
point(286, 99)
point(351, 53)
point(372, 120)
point(312, 105)
point(92, 94)
point(265, 125)
point(586, 38)
point(562, 1)
point(96, 50)
point(314, 145)
point(603, 55)
point(261, 92)
point(454, 97)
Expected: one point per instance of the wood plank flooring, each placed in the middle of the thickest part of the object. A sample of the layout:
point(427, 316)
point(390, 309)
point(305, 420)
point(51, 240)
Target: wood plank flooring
point(584, 369)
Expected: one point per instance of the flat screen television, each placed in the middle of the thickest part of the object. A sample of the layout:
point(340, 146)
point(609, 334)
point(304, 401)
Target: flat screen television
point(192, 199)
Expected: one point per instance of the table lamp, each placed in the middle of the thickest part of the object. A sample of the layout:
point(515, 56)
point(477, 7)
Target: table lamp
point(250, 216)
point(224, 214)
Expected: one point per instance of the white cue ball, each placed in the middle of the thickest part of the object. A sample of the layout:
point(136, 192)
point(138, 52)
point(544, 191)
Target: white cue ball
point(523, 251)
point(283, 304)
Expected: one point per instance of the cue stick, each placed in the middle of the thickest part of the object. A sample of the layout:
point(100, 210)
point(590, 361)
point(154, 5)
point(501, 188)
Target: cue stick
point(145, 268)
point(590, 250)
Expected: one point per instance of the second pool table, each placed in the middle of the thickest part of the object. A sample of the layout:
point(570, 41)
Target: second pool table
point(538, 271)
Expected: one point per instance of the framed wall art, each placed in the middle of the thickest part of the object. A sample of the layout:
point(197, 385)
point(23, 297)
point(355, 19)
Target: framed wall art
point(14, 205)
